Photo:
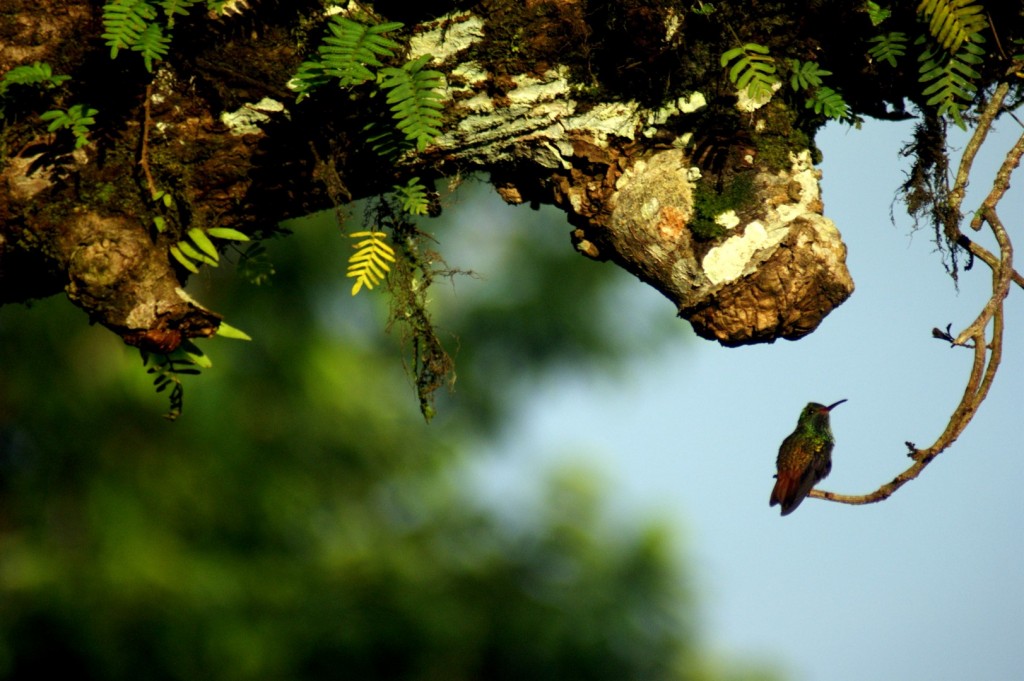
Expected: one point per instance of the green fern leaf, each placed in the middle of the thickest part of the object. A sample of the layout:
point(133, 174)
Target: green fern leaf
point(369, 264)
point(806, 75)
point(198, 248)
point(254, 265)
point(173, 8)
point(353, 47)
point(953, 22)
point(413, 196)
point(153, 45)
point(77, 119)
point(948, 79)
point(876, 13)
point(385, 141)
point(195, 253)
point(227, 233)
point(889, 47)
point(225, 330)
point(37, 73)
point(309, 77)
point(830, 103)
point(123, 23)
point(415, 102)
point(753, 70)
point(186, 262)
point(200, 239)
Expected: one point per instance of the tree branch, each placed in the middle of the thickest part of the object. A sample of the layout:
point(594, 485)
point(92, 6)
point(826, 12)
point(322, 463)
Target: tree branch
point(987, 352)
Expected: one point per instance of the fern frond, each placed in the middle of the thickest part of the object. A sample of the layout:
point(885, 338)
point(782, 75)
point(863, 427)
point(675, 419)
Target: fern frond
point(167, 371)
point(413, 196)
point(949, 79)
point(36, 73)
point(77, 119)
point(888, 47)
point(309, 77)
point(369, 264)
point(174, 8)
point(153, 45)
point(385, 141)
point(254, 265)
point(953, 22)
point(753, 70)
point(123, 23)
point(198, 248)
point(876, 13)
point(830, 103)
point(806, 74)
point(415, 102)
point(353, 47)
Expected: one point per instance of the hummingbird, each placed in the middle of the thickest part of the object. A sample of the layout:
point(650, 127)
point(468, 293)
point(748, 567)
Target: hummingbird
point(805, 457)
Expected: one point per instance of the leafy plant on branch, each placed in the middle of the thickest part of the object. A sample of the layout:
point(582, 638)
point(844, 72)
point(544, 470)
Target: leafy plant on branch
point(752, 69)
point(39, 74)
point(353, 47)
point(948, 79)
point(829, 103)
point(805, 75)
point(413, 197)
point(876, 13)
point(198, 248)
point(77, 119)
point(369, 264)
point(167, 370)
point(414, 99)
point(187, 360)
point(135, 25)
point(952, 50)
point(953, 22)
point(888, 47)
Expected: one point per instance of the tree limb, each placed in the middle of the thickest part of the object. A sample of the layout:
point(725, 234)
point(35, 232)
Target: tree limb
point(987, 351)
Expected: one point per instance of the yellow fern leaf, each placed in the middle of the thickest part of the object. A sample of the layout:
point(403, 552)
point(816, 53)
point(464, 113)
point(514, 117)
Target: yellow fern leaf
point(369, 264)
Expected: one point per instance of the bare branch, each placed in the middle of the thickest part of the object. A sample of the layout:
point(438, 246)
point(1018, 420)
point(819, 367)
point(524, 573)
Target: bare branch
point(963, 173)
point(987, 351)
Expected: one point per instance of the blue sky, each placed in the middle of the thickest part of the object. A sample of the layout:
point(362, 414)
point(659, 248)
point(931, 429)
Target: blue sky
point(928, 584)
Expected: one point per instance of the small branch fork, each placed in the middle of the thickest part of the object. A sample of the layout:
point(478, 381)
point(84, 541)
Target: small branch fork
point(987, 350)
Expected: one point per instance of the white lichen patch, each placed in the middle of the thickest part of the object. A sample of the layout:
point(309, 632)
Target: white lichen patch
point(728, 219)
point(247, 119)
point(530, 90)
point(620, 119)
point(471, 72)
point(727, 261)
point(805, 177)
point(656, 119)
point(553, 154)
point(649, 208)
point(448, 36)
point(673, 22)
point(631, 173)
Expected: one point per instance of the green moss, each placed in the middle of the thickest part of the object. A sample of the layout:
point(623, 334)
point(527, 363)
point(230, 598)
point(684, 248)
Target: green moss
point(780, 136)
point(708, 204)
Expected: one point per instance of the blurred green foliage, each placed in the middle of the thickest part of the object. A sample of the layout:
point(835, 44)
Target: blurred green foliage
point(300, 521)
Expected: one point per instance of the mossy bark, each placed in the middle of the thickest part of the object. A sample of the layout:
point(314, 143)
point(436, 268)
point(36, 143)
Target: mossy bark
point(613, 113)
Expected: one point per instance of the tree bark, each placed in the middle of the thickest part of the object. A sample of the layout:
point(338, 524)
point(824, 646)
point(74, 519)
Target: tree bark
point(620, 115)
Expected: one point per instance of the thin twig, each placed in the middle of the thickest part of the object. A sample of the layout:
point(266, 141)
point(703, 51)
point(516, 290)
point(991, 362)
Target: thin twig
point(143, 154)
